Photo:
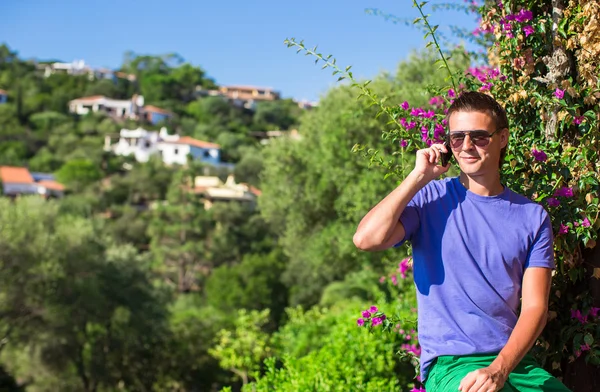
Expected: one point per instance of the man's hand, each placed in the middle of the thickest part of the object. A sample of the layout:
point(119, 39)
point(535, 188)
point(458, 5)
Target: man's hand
point(483, 380)
point(426, 165)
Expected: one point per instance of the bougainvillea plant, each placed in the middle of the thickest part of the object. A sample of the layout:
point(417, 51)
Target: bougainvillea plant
point(543, 65)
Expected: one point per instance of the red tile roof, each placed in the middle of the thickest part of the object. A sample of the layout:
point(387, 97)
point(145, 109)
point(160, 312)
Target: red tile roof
point(15, 174)
point(194, 142)
point(154, 109)
point(52, 185)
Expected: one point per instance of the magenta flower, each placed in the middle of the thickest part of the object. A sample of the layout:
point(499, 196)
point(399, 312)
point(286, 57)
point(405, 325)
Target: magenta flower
point(552, 202)
point(429, 142)
point(420, 389)
point(405, 105)
point(360, 322)
point(376, 321)
point(578, 119)
point(382, 279)
point(564, 192)
point(373, 309)
point(411, 125)
point(394, 280)
point(585, 347)
point(383, 317)
point(428, 114)
point(585, 223)
point(528, 30)
point(558, 93)
point(576, 314)
point(403, 267)
point(539, 155)
point(524, 16)
point(594, 312)
point(563, 229)
point(366, 314)
point(451, 93)
point(403, 143)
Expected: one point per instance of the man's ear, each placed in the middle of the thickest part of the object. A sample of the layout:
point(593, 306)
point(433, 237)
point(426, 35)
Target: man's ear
point(504, 137)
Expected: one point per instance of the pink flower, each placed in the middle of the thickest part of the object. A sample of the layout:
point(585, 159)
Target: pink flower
point(376, 321)
point(594, 312)
point(552, 202)
point(360, 322)
point(382, 279)
point(429, 142)
point(578, 119)
point(585, 223)
point(564, 192)
point(539, 155)
point(558, 93)
point(524, 16)
point(366, 314)
point(373, 309)
point(563, 229)
point(451, 93)
point(405, 105)
point(403, 143)
point(576, 314)
point(407, 337)
point(394, 280)
point(420, 389)
point(585, 347)
point(403, 267)
point(411, 125)
point(528, 30)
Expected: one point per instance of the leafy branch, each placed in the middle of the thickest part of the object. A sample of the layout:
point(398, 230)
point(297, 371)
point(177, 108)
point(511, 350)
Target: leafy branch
point(330, 62)
point(431, 32)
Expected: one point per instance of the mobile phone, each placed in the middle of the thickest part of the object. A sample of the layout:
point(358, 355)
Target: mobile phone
point(446, 156)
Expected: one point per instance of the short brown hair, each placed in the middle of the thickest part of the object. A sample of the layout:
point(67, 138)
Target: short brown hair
point(473, 101)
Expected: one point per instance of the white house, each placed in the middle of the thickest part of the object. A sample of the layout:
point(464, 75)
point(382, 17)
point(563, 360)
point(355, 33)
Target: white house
point(77, 67)
point(115, 107)
point(242, 96)
point(3, 96)
point(173, 149)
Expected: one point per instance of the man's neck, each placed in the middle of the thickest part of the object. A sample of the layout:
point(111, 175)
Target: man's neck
point(482, 185)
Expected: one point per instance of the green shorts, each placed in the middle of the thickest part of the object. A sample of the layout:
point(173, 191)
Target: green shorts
point(447, 372)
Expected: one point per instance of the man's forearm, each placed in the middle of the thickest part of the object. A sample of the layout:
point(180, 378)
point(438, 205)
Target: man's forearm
point(376, 227)
point(529, 326)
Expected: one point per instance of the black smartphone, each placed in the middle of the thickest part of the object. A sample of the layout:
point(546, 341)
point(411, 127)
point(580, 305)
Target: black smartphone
point(446, 156)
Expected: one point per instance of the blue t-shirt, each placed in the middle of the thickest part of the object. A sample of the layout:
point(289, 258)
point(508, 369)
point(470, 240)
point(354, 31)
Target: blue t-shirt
point(470, 253)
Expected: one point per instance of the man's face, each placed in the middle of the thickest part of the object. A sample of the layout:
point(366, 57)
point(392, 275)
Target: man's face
point(476, 160)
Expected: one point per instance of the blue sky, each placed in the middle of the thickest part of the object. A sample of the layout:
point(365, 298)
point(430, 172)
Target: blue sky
point(236, 42)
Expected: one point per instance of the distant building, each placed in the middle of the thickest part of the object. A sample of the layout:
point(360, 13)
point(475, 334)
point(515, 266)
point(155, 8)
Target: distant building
point(133, 108)
point(3, 96)
point(265, 137)
point(156, 115)
point(19, 181)
point(173, 149)
point(242, 96)
point(306, 105)
point(77, 67)
point(212, 190)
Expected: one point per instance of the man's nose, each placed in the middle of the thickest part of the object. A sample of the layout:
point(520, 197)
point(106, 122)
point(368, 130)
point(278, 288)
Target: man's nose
point(467, 143)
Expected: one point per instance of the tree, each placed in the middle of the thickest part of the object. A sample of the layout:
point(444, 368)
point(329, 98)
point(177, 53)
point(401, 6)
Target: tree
point(280, 114)
point(179, 233)
point(243, 349)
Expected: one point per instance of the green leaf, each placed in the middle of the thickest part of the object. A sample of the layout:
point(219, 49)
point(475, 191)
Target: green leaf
point(588, 339)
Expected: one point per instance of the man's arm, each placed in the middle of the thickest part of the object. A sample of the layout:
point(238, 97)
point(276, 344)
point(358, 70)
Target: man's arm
point(531, 322)
point(381, 228)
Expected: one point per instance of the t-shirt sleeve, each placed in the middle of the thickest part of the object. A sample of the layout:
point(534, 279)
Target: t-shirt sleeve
point(541, 252)
point(411, 217)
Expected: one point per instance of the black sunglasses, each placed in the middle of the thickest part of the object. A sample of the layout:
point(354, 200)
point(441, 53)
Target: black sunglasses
point(479, 137)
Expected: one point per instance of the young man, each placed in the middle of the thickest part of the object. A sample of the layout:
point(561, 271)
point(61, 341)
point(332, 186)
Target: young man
point(483, 257)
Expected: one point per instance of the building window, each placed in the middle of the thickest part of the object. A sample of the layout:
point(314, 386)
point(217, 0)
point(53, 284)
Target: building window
point(175, 151)
point(147, 144)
